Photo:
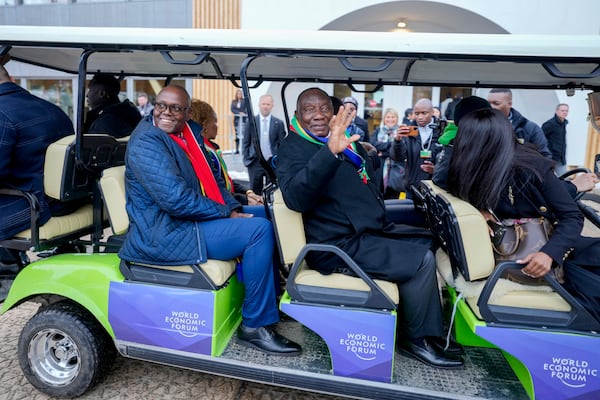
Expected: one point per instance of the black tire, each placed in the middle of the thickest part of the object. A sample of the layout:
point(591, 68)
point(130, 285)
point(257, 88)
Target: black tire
point(64, 351)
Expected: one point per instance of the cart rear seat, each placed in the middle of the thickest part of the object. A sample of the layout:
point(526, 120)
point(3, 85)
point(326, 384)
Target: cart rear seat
point(112, 187)
point(466, 262)
point(309, 285)
point(336, 306)
point(63, 181)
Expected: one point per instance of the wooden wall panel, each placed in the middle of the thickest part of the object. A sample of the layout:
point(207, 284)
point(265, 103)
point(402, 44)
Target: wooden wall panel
point(217, 14)
point(592, 148)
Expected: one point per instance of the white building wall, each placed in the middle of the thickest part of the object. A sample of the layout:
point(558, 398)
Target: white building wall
point(576, 17)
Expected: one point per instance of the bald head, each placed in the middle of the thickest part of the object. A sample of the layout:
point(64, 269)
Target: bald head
point(171, 109)
point(423, 111)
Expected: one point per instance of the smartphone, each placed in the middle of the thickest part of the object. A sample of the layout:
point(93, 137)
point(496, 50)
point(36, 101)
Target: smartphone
point(414, 130)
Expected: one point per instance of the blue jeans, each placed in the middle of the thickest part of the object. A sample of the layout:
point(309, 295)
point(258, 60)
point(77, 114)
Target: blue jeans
point(253, 240)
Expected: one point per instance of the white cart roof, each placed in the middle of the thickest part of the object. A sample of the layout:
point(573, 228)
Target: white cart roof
point(414, 59)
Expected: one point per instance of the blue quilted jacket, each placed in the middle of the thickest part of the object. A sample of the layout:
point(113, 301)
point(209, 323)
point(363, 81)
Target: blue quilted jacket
point(164, 201)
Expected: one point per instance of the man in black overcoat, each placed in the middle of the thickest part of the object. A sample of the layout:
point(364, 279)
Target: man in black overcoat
point(326, 176)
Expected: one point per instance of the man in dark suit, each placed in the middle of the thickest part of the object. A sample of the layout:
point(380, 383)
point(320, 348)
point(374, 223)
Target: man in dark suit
point(323, 174)
point(107, 113)
point(271, 132)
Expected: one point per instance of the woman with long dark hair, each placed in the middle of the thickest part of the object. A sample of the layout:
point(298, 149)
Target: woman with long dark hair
point(493, 172)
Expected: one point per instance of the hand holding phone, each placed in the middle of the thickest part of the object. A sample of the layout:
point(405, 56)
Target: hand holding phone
point(408, 130)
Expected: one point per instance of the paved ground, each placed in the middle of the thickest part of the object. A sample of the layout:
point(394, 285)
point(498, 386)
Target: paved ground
point(131, 379)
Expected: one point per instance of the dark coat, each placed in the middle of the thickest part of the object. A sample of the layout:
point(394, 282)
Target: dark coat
point(407, 151)
point(236, 115)
point(364, 126)
point(556, 135)
point(529, 132)
point(548, 197)
point(276, 135)
point(383, 143)
point(28, 125)
point(544, 196)
point(164, 201)
point(339, 209)
point(118, 119)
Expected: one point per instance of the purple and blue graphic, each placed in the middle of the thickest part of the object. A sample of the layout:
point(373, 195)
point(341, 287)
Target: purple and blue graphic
point(361, 343)
point(562, 366)
point(172, 318)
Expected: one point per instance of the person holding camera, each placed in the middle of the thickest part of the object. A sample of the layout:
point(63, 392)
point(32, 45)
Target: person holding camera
point(417, 145)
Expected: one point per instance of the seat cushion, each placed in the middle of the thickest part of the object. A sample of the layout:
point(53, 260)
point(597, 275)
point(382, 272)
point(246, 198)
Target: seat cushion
point(57, 226)
point(311, 277)
point(505, 293)
point(538, 300)
point(217, 270)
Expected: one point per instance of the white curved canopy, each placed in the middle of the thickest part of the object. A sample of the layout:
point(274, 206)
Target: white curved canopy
point(469, 60)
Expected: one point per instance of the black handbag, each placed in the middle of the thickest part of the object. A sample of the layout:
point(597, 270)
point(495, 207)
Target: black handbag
point(395, 175)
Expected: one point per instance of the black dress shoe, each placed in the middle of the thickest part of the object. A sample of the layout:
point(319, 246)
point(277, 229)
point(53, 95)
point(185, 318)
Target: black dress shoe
point(266, 339)
point(440, 343)
point(429, 355)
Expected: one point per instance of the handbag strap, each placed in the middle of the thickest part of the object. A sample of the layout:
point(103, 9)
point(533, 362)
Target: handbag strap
point(518, 236)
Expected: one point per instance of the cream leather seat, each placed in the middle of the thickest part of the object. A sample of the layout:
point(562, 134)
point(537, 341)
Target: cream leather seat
point(466, 262)
point(62, 182)
point(112, 187)
point(309, 285)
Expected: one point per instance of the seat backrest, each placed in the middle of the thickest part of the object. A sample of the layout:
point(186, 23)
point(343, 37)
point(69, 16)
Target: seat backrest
point(112, 187)
point(63, 180)
point(66, 178)
point(289, 229)
point(462, 231)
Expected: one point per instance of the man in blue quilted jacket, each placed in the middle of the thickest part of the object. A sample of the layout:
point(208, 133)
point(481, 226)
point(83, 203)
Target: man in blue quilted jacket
point(181, 213)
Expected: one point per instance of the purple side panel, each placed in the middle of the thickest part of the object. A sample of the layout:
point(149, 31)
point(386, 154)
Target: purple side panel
point(562, 366)
point(361, 343)
point(173, 318)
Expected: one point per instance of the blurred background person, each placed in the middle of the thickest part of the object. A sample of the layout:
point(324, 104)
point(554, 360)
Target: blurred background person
point(144, 106)
point(238, 108)
point(555, 130)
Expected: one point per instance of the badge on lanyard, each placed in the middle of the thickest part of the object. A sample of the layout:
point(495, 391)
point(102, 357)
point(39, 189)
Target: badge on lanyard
point(425, 153)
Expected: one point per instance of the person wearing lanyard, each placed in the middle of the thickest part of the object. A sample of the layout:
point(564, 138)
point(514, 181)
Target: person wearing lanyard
point(418, 152)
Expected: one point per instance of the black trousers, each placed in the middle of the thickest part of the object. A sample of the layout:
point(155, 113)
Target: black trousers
point(420, 301)
point(257, 175)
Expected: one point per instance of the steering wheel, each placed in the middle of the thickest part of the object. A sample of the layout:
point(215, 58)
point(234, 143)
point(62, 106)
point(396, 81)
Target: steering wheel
point(575, 171)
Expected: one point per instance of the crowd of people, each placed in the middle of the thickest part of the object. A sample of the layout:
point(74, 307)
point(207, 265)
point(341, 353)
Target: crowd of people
point(184, 207)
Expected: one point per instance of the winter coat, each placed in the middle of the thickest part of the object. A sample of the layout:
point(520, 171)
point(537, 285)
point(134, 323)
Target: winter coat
point(118, 119)
point(165, 203)
point(408, 150)
point(338, 208)
point(28, 125)
point(556, 135)
point(529, 132)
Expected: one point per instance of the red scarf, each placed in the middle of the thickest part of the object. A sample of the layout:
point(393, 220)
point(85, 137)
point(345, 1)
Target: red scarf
point(192, 149)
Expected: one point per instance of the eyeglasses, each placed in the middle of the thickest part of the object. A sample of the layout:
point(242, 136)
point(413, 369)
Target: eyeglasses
point(175, 109)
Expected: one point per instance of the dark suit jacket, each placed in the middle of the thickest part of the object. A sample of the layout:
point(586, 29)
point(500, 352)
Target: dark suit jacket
point(339, 209)
point(276, 135)
point(556, 134)
point(28, 125)
point(544, 195)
